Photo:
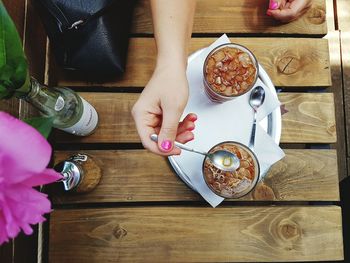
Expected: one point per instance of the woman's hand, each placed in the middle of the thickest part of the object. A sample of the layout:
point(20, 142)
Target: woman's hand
point(160, 106)
point(287, 10)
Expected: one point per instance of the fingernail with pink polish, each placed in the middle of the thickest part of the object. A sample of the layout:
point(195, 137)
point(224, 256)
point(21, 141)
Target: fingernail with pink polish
point(273, 5)
point(166, 145)
point(190, 129)
point(193, 118)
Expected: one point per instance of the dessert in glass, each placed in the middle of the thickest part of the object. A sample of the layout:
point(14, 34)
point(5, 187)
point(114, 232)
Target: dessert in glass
point(229, 71)
point(237, 183)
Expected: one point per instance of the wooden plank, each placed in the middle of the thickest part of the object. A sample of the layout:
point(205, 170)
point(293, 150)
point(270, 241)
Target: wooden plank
point(310, 119)
point(239, 17)
point(343, 11)
point(338, 92)
point(139, 176)
point(287, 63)
point(310, 116)
point(26, 247)
point(6, 252)
point(331, 16)
point(35, 49)
point(16, 9)
point(196, 234)
point(35, 43)
point(333, 37)
point(11, 106)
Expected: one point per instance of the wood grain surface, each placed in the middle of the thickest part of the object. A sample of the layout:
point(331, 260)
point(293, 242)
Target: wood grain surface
point(6, 252)
point(338, 91)
point(196, 234)
point(239, 17)
point(16, 9)
point(92, 173)
point(287, 63)
point(35, 43)
point(139, 176)
point(10, 106)
point(309, 118)
point(162, 230)
point(343, 14)
point(35, 50)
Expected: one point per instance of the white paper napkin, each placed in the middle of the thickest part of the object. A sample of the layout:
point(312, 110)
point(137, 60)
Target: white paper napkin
point(218, 122)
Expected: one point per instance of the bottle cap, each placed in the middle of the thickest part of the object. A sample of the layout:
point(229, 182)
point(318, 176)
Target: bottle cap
point(71, 173)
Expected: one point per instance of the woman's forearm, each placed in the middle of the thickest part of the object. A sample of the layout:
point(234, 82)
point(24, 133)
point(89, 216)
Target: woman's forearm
point(172, 20)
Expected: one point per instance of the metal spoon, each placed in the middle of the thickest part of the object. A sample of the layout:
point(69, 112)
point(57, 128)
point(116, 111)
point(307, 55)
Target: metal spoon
point(257, 97)
point(221, 159)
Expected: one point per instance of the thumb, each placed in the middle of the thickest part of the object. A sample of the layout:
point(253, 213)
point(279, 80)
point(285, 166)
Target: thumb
point(168, 131)
point(274, 4)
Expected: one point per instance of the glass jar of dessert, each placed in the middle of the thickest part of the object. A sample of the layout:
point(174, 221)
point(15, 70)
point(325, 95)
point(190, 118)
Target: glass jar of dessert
point(229, 71)
point(237, 183)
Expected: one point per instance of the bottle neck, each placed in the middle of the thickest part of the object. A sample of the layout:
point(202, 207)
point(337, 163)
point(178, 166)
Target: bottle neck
point(42, 98)
point(24, 89)
point(35, 87)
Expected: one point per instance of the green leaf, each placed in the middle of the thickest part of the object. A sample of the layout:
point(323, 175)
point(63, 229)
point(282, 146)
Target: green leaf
point(42, 124)
point(13, 63)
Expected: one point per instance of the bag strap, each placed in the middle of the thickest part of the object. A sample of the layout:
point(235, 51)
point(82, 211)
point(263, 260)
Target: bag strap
point(63, 21)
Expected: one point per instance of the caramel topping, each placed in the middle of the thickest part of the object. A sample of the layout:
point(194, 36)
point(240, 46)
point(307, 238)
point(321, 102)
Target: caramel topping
point(230, 184)
point(230, 71)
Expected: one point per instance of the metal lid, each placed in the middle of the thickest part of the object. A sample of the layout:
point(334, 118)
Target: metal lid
point(71, 174)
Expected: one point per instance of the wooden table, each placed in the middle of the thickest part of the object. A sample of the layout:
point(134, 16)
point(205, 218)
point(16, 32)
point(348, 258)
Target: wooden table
point(142, 212)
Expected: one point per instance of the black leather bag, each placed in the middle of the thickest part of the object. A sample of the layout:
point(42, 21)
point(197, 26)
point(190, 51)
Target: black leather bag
point(88, 36)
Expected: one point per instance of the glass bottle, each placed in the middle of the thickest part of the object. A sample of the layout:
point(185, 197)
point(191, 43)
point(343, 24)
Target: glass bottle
point(71, 112)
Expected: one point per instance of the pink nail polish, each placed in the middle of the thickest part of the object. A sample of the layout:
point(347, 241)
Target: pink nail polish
point(194, 118)
point(273, 5)
point(166, 145)
point(190, 129)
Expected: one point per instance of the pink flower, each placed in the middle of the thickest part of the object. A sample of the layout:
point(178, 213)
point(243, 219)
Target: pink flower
point(24, 156)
